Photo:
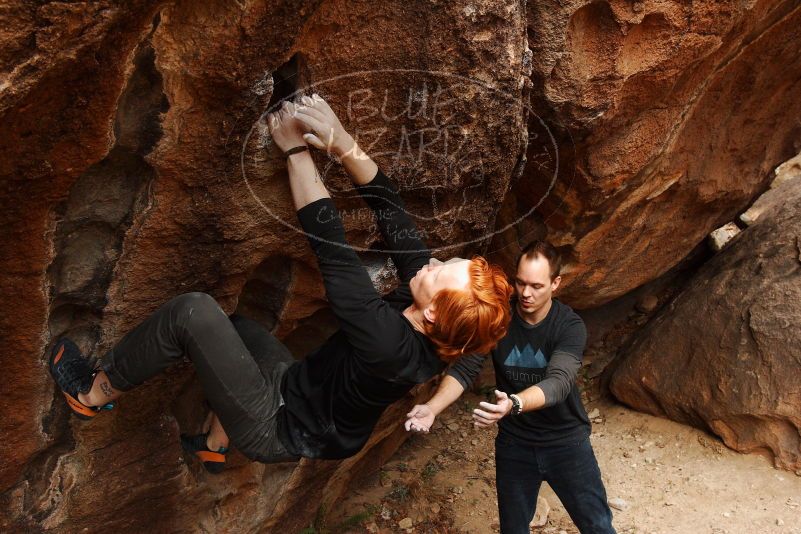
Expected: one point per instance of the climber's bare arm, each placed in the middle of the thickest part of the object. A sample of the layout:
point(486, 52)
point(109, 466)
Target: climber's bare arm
point(327, 133)
point(304, 180)
point(400, 234)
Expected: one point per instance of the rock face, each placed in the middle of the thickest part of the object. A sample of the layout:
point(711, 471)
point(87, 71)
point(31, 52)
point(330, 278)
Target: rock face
point(136, 167)
point(655, 107)
point(725, 355)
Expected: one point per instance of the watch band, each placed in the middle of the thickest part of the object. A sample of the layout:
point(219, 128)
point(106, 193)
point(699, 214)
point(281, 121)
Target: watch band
point(295, 150)
point(517, 404)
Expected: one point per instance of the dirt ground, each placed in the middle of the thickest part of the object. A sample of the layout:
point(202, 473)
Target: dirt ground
point(672, 479)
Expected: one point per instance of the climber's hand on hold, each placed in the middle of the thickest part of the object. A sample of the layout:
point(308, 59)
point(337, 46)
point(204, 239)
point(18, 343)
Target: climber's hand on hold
point(285, 129)
point(323, 129)
point(325, 132)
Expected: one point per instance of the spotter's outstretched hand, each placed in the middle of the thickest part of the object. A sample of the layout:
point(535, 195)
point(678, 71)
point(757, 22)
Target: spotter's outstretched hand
point(492, 413)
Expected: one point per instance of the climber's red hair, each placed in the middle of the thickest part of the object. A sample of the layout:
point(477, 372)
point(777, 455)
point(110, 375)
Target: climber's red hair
point(472, 320)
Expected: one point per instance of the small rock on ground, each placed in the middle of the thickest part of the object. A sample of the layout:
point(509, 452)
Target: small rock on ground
point(619, 504)
point(541, 514)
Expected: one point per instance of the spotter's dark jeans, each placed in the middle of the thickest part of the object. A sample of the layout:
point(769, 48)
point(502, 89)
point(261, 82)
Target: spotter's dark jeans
point(239, 364)
point(572, 472)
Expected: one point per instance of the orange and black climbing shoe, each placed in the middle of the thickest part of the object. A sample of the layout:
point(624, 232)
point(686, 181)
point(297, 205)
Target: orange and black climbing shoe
point(74, 375)
point(213, 461)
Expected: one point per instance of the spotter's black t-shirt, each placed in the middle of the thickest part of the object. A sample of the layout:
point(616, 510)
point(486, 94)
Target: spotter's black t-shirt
point(547, 354)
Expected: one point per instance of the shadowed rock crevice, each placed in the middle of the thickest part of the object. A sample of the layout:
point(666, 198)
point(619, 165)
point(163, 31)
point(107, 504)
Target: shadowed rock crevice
point(306, 336)
point(101, 206)
point(292, 76)
point(87, 241)
point(536, 200)
point(265, 294)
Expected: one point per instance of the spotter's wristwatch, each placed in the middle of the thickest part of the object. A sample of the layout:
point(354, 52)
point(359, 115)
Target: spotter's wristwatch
point(517, 405)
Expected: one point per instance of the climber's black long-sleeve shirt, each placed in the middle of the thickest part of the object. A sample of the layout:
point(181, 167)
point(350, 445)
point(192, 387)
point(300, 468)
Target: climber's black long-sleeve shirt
point(334, 397)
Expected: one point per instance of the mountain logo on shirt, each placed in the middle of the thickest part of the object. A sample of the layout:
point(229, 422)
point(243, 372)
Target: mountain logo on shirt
point(526, 358)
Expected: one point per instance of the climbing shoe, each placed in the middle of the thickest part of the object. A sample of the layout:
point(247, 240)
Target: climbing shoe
point(213, 461)
point(74, 375)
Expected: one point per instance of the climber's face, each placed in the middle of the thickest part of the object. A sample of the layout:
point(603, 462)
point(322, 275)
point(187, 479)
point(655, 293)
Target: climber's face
point(436, 276)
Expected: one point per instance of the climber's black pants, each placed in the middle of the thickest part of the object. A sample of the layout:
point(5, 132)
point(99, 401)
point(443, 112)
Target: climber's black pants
point(238, 361)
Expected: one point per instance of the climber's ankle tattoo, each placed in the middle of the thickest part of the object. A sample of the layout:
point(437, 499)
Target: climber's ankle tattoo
point(106, 388)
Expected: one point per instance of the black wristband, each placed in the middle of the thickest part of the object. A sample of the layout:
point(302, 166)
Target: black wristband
point(295, 150)
point(517, 406)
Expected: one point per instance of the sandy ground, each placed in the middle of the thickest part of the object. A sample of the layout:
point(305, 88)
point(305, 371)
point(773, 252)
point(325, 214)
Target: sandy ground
point(673, 479)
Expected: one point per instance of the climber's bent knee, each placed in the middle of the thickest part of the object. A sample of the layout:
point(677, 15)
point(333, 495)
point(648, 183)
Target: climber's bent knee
point(162, 339)
point(198, 310)
point(195, 315)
